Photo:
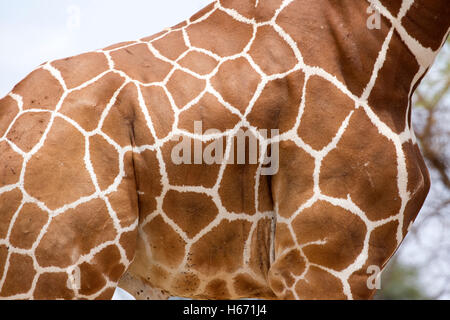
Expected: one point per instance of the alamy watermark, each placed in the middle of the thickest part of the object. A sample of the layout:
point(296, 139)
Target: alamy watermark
point(374, 20)
point(74, 278)
point(374, 279)
point(244, 148)
point(73, 21)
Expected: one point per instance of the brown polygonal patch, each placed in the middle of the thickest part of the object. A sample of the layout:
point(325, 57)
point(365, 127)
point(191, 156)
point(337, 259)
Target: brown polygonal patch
point(19, 277)
point(418, 184)
point(91, 280)
point(393, 6)
point(185, 284)
point(238, 185)
point(8, 111)
point(265, 201)
point(237, 188)
point(39, 90)
point(236, 81)
point(148, 179)
point(283, 238)
point(217, 250)
point(28, 226)
point(184, 88)
point(171, 45)
point(342, 232)
point(390, 96)
point(79, 69)
point(325, 109)
point(246, 286)
point(160, 110)
point(28, 130)
point(277, 285)
point(211, 113)
point(63, 151)
point(9, 203)
point(3, 257)
point(427, 22)
point(414, 167)
point(166, 246)
point(364, 167)
point(74, 233)
point(319, 283)
point(105, 161)
point(107, 263)
point(217, 289)
point(140, 64)
point(191, 211)
point(271, 52)
point(128, 242)
point(382, 244)
point(199, 62)
point(289, 265)
point(85, 106)
point(11, 166)
point(126, 123)
point(124, 201)
point(222, 38)
point(293, 185)
point(106, 294)
point(52, 286)
point(278, 105)
point(189, 174)
point(348, 49)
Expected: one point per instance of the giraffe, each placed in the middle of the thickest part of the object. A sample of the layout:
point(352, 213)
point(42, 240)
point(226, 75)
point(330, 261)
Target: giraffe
point(90, 198)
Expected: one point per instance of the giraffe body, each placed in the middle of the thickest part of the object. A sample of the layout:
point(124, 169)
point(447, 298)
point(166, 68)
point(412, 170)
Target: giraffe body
point(90, 197)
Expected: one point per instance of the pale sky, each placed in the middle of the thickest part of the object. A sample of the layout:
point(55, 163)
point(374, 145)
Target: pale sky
point(36, 31)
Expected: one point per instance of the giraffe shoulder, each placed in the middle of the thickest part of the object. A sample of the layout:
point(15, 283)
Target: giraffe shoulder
point(9, 108)
point(75, 71)
point(39, 90)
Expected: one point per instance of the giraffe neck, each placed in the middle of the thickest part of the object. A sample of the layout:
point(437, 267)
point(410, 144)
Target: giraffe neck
point(426, 22)
point(423, 25)
point(347, 38)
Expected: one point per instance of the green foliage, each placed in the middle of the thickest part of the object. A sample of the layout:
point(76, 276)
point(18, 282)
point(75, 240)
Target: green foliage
point(400, 282)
